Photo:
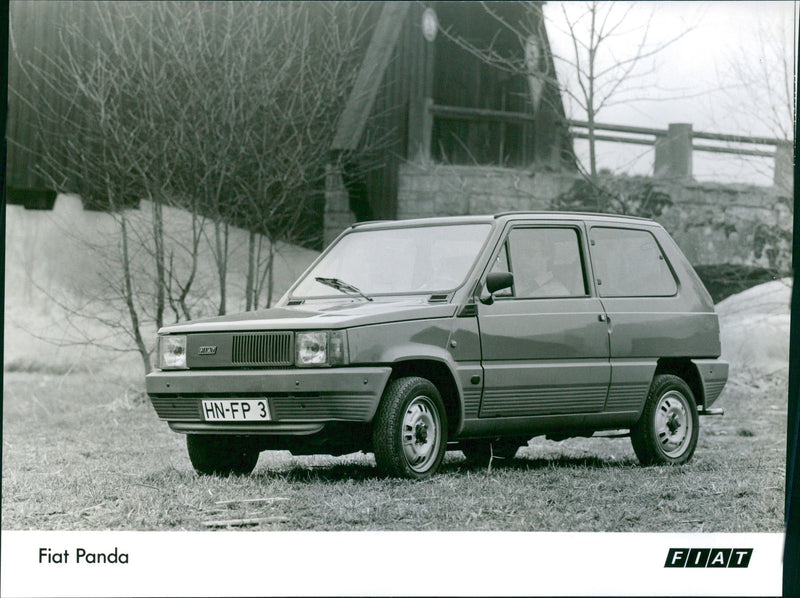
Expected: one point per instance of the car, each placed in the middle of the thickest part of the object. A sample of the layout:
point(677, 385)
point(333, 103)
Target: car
point(473, 333)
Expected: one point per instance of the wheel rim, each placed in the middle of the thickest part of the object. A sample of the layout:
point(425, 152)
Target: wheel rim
point(673, 423)
point(421, 433)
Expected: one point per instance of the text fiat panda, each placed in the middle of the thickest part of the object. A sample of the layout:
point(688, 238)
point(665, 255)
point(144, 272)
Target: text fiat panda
point(471, 333)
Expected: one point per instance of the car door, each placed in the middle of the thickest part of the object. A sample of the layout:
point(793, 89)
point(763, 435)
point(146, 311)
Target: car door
point(544, 342)
point(648, 317)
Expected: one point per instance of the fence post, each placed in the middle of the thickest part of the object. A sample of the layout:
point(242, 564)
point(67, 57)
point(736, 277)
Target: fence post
point(674, 153)
point(783, 177)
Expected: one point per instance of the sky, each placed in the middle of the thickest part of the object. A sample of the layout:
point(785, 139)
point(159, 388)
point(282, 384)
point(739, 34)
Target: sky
point(685, 85)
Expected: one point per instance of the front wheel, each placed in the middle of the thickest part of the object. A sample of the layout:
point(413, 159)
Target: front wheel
point(221, 455)
point(666, 434)
point(409, 437)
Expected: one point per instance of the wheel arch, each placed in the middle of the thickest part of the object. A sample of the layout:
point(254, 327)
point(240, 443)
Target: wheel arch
point(440, 374)
point(684, 368)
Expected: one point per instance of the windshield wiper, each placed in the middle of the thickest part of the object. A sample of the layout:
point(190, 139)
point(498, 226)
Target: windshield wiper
point(342, 286)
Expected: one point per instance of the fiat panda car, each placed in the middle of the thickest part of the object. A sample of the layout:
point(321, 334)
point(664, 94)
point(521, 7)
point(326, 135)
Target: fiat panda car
point(476, 333)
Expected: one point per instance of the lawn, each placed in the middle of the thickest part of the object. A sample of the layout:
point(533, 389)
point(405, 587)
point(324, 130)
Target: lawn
point(85, 451)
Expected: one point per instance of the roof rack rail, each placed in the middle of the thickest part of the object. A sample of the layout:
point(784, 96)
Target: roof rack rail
point(566, 213)
point(356, 224)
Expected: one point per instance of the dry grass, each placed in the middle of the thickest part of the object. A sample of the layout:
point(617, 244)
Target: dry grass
point(86, 451)
point(59, 265)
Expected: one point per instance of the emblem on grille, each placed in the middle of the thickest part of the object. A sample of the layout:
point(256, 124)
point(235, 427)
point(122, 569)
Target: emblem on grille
point(209, 350)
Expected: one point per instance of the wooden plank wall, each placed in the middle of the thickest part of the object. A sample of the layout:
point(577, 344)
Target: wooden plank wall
point(34, 28)
point(464, 80)
point(388, 123)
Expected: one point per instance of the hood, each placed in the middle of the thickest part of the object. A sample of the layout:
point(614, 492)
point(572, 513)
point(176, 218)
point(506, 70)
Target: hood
point(322, 314)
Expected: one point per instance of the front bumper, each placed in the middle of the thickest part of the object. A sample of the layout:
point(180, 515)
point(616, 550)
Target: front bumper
point(301, 401)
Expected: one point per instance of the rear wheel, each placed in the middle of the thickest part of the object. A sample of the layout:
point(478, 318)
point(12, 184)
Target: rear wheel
point(480, 452)
point(666, 434)
point(410, 431)
point(221, 455)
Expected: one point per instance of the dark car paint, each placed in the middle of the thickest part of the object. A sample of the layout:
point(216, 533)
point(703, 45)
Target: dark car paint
point(518, 366)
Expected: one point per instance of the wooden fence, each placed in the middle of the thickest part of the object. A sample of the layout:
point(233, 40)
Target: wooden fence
point(674, 146)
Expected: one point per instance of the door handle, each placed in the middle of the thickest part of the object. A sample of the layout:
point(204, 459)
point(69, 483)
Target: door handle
point(602, 318)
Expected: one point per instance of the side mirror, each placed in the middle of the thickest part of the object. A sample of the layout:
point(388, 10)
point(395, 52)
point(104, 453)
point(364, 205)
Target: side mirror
point(496, 281)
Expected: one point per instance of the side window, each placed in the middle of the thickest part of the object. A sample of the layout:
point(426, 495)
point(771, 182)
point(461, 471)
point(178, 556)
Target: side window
point(629, 263)
point(546, 262)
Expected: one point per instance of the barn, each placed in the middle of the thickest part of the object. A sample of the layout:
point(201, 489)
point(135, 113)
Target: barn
point(454, 83)
point(466, 83)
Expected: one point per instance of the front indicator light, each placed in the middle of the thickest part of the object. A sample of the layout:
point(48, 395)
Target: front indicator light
point(339, 354)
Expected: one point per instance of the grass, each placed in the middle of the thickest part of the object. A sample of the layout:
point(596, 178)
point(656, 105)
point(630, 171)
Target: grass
point(85, 451)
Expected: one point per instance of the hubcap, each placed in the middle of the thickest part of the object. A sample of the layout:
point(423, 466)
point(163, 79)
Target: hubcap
point(673, 423)
point(421, 439)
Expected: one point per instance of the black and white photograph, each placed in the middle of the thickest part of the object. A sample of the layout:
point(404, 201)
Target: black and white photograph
point(398, 298)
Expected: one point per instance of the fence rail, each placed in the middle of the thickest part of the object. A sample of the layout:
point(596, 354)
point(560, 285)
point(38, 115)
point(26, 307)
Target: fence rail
point(664, 133)
point(673, 146)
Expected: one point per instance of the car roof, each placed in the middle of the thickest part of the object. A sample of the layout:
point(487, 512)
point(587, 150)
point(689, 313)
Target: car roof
point(503, 216)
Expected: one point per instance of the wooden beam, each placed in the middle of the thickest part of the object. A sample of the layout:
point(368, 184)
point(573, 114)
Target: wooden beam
point(616, 139)
point(362, 98)
point(729, 150)
point(582, 124)
point(480, 114)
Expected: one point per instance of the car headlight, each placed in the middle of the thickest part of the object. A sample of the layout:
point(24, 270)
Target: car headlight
point(172, 352)
point(321, 348)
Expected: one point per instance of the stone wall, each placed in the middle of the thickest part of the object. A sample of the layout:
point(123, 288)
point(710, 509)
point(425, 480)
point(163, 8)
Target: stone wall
point(730, 224)
point(440, 190)
point(712, 223)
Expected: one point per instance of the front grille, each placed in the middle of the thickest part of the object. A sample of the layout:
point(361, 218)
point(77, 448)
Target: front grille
point(264, 348)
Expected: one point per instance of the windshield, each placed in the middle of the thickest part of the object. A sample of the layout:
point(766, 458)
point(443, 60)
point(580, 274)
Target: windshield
point(424, 259)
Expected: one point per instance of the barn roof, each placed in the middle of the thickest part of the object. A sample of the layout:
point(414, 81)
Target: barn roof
point(362, 98)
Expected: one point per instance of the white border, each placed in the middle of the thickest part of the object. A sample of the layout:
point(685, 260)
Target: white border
point(248, 563)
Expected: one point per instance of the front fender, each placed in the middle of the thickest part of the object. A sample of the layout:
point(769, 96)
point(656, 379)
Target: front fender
point(399, 341)
point(432, 342)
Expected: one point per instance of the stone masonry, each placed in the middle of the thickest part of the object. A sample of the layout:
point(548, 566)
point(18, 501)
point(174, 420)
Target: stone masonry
point(712, 223)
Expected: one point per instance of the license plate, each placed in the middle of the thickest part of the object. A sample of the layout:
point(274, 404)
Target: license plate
point(239, 410)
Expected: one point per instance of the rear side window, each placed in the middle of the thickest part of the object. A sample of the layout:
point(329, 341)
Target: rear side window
point(629, 263)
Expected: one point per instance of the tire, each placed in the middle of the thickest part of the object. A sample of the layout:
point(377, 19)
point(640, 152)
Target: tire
point(221, 455)
point(409, 436)
point(480, 452)
point(666, 433)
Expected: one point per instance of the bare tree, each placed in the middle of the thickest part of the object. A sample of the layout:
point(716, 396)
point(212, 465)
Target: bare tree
point(597, 77)
point(263, 84)
point(759, 81)
point(311, 58)
point(757, 90)
point(223, 109)
point(101, 146)
point(591, 74)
